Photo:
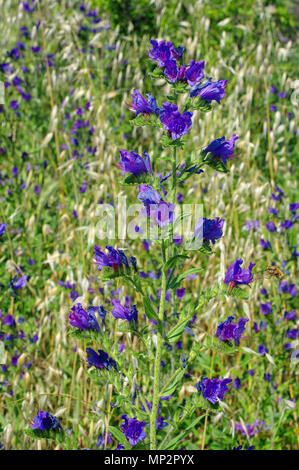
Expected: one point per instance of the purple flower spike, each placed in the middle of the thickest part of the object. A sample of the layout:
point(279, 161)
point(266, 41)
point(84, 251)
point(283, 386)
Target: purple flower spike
point(237, 276)
point(101, 360)
point(228, 331)
point(131, 162)
point(133, 430)
point(194, 72)
point(210, 90)
point(79, 318)
point(222, 148)
point(213, 389)
point(124, 313)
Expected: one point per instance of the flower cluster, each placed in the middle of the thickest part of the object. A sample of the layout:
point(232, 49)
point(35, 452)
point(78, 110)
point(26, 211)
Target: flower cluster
point(213, 389)
point(228, 331)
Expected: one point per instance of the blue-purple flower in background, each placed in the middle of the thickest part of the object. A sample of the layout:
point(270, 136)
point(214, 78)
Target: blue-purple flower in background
point(2, 229)
point(44, 421)
point(209, 229)
point(213, 389)
point(133, 430)
point(123, 312)
point(79, 318)
point(100, 360)
point(229, 331)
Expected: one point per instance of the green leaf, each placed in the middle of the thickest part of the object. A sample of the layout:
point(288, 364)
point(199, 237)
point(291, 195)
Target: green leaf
point(173, 261)
point(237, 293)
point(150, 312)
point(177, 280)
point(217, 165)
point(167, 141)
point(173, 385)
point(213, 343)
point(119, 436)
point(135, 179)
point(156, 73)
point(146, 120)
point(177, 330)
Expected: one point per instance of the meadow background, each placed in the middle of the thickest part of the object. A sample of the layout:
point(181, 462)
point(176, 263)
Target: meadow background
point(69, 69)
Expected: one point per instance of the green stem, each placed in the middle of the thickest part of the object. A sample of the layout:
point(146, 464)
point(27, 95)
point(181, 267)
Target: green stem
point(157, 366)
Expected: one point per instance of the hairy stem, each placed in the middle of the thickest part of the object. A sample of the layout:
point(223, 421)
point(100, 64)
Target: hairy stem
point(157, 367)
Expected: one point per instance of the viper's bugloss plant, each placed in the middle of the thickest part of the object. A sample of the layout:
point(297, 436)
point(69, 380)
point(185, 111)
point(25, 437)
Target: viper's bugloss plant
point(158, 196)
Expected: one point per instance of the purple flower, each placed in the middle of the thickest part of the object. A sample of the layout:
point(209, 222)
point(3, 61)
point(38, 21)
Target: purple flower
point(19, 283)
point(171, 70)
point(160, 211)
point(222, 148)
point(262, 350)
point(124, 313)
point(161, 52)
point(133, 430)
point(102, 440)
point(228, 331)
point(278, 196)
point(287, 224)
point(251, 429)
point(290, 316)
point(44, 421)
point(252, 225)
point(194, 73)
point(273, 211)
point(271, 226)
point(101, 360)
point(141, 105)
point(285, 288)
point(294, 207)
point(14, 105)
point(79, 318)
point(213, 389)
point(131, 162)
point(237, 276)
point(174, 122)
point(114, 259)
point(293, 334)
point(209, 229)
point(83, 188)
point(2, 229)
point(210, 90)
point(181, 292)
point(265, 245)
point(266, 308)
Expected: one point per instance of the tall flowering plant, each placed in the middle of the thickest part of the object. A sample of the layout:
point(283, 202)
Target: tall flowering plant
point(143, 425)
